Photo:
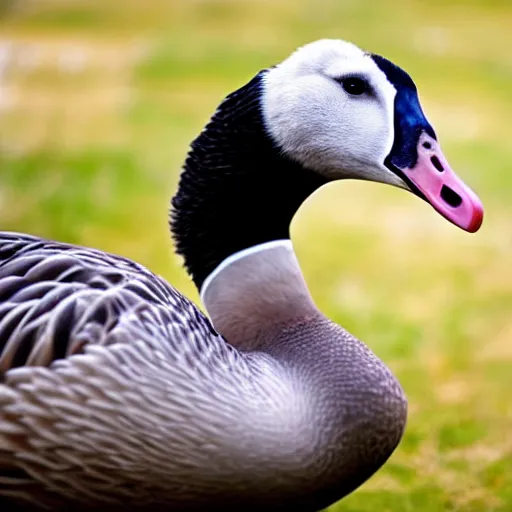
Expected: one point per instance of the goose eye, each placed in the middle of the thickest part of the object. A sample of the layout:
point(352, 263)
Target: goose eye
point(354, 86)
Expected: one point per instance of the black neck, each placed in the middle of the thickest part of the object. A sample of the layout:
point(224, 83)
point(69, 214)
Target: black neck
point(236, 189)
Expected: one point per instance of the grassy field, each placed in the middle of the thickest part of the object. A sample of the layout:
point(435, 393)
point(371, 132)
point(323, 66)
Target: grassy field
point(99, 101)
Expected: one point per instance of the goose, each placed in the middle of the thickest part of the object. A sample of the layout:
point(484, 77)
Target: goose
point(118, 393)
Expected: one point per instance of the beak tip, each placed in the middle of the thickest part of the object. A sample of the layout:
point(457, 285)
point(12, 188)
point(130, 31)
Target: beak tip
point(476, 219)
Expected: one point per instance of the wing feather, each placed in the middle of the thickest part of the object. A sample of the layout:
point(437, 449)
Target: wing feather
point(57, 298)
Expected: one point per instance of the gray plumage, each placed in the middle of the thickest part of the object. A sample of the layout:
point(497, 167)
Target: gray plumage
point(117, 392)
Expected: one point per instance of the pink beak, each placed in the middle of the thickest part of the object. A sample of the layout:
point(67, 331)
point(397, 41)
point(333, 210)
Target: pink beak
point(442, 188)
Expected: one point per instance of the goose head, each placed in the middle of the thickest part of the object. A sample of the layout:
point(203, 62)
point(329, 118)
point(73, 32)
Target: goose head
point(329, 111)
point(348, 114)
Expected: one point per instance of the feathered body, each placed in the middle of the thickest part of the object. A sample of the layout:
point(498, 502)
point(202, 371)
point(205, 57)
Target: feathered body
point(118, 393)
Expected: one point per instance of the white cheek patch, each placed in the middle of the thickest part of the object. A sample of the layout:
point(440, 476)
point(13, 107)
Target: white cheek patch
point(320, 125)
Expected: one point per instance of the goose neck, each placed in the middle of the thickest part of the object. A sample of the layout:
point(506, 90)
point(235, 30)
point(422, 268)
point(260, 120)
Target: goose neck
point(237, 190)
point(255, 294)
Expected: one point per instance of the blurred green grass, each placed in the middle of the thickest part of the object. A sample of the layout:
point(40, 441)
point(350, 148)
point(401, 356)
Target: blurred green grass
point(99, 101)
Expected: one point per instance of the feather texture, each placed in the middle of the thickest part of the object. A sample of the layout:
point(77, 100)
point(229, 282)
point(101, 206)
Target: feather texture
point(93, 347)
point(56, 298)
point(118, 394)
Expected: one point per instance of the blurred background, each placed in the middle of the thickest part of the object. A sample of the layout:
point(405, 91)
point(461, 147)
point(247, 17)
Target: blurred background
point(99, 101)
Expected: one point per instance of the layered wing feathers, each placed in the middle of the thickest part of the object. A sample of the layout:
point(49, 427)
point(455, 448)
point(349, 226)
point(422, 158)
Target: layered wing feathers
point(56, 298)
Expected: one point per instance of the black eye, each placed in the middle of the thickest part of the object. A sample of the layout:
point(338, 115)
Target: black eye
point(354, 85)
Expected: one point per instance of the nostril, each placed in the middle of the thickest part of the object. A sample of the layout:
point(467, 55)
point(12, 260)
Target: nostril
point(427, 145)
point(436, 163)
point(451, 197)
